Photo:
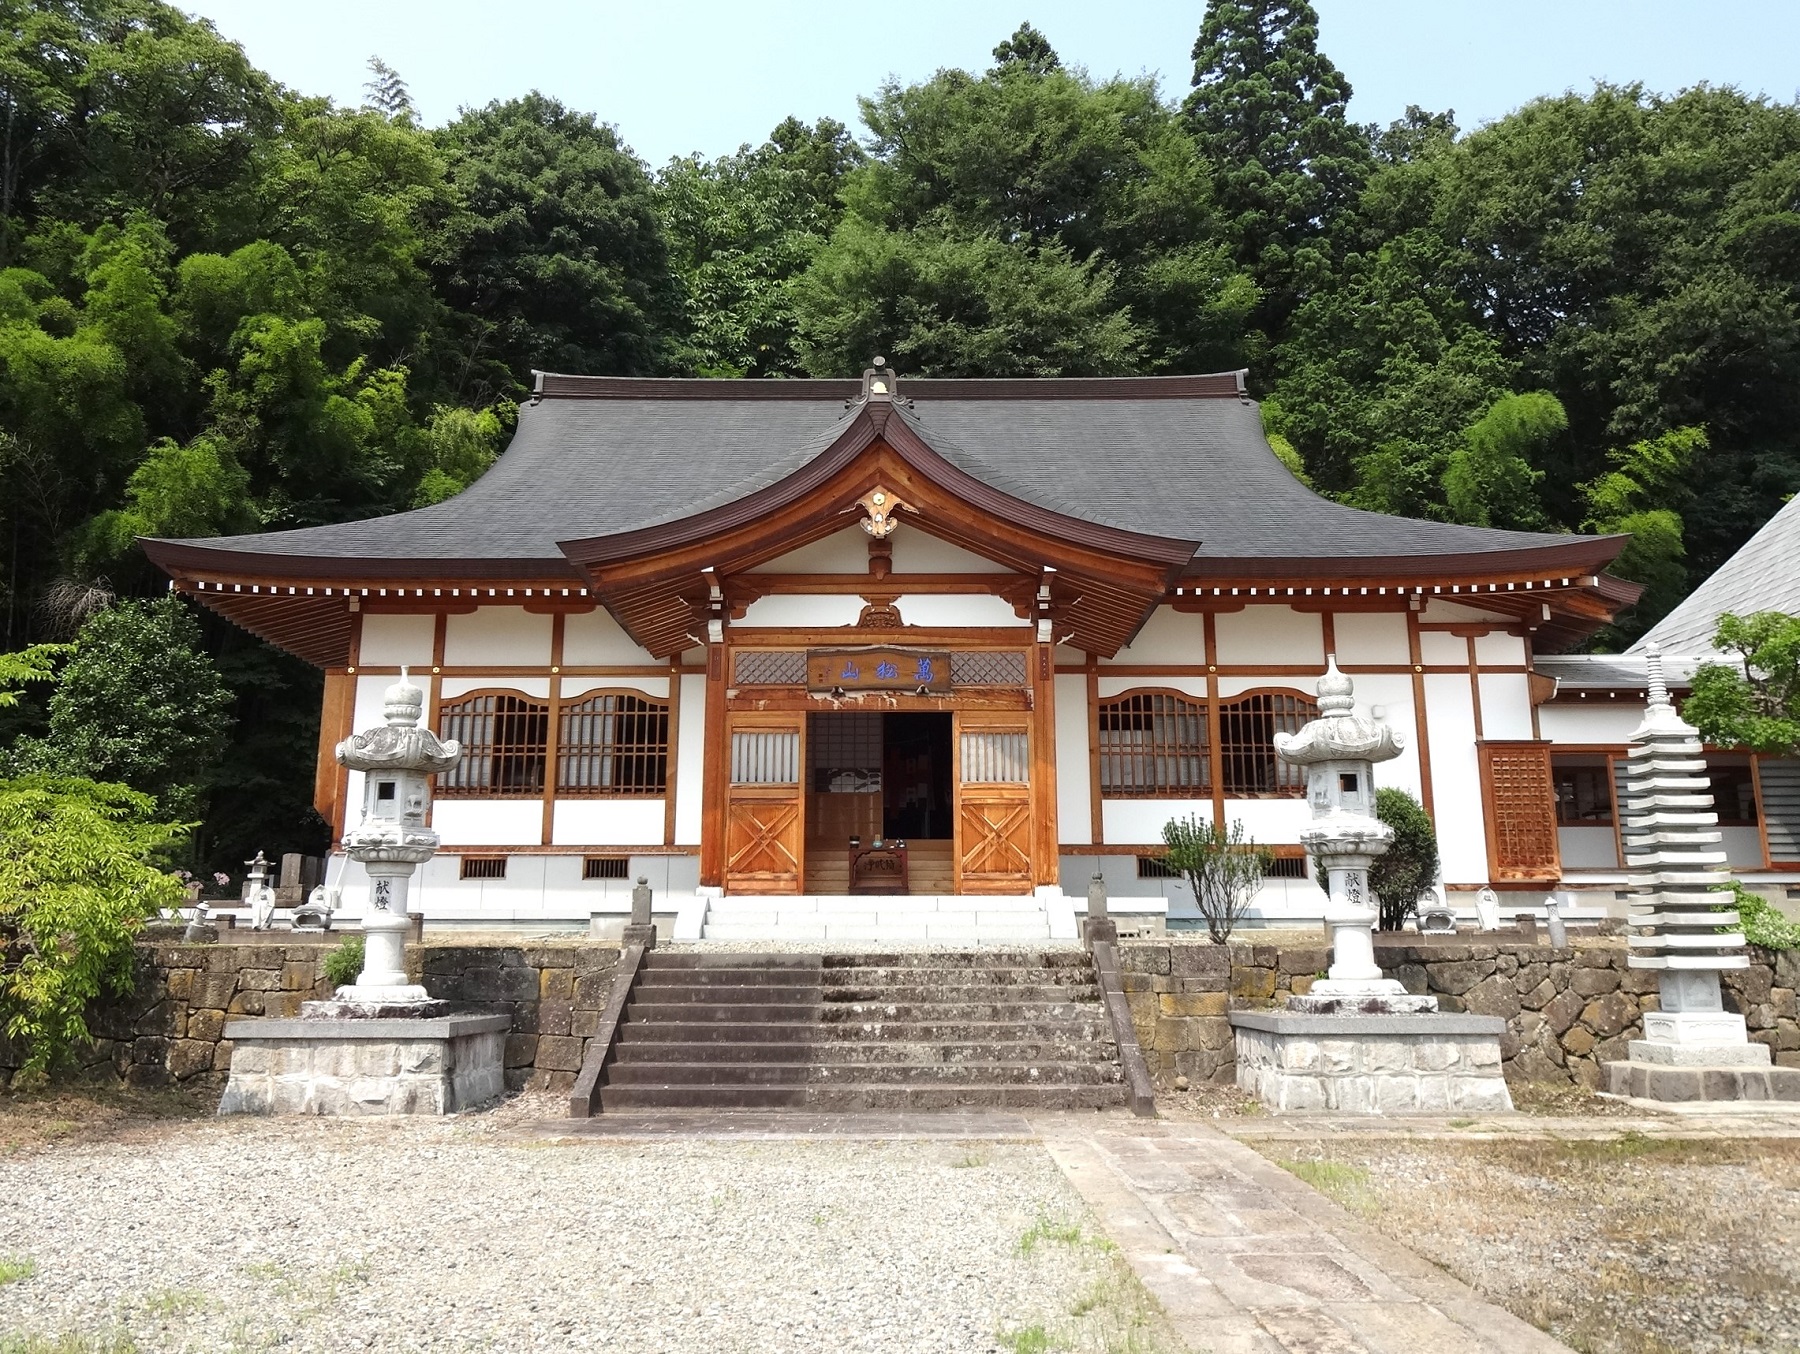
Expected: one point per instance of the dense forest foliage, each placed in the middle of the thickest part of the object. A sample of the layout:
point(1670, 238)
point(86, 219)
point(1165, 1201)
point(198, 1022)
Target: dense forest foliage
point(226, 306)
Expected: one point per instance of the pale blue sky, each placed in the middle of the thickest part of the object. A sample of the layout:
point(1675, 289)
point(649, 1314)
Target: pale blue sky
point(682, 76)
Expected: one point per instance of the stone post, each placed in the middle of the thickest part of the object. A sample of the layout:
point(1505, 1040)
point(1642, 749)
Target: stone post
point(1339, 750)
point(640, 930)
point(1099, 924)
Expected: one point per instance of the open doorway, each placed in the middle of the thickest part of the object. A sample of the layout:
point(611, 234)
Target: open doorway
point(883, 776)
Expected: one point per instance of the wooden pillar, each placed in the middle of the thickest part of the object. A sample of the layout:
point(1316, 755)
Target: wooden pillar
point(553, 730)
point(672, 754)
point(1046, 839)
point(715, 766)
point(1096, 810)
point(1214, 724)
point(1421, 719)
point(335, 714)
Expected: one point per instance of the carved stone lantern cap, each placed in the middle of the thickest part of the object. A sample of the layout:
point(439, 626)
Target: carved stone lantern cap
point(1339, 733)
point(401, 745)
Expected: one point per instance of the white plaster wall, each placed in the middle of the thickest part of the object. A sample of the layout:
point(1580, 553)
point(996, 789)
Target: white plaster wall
point(939, 611)
point(1505, 705)
point(525, 686)
point(1442, 609)
point(1270, 634)
point(801, 611)
point(1139, 822)
point(1112, 686)
point(1169, 636)
point(1440, 646)
point(1272, 822)
point(1074, 813)
point(574, 688)
point(690, 760)
point(1603, 721)
point(494, 636)
point(607, 822)
point(1588, 848)
point(1499, 650)
point(537, 888)
point(1456, 779)
point(1305, 686)
point(1371, 637)
point(489, 822)
point(1743, 846)
point(388, 640)
point(919, 552)
point(1392, 694)
point(595, 639)
point(842, 552)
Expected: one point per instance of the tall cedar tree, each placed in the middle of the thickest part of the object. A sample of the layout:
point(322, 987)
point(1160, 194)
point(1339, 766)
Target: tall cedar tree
point(1268, 110)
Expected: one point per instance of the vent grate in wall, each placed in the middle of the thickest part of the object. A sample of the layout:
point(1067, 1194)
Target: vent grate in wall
point(484, 867)
point(606, 867)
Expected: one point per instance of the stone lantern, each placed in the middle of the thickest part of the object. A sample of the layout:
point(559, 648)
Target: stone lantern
point(392, 841)
point(1339, 750)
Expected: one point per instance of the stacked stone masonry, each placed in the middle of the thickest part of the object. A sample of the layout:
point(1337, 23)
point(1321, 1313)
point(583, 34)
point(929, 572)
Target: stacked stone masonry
point(1567, 1010)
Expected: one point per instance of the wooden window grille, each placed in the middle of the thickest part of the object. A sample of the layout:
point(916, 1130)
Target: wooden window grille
point(606, 867)
point(1155, 867)
point(991, 757)
point(765, 757)
point(484, 867)
point(1285, 867)
point(1153, 745)
point(504, 740)
point(613, 743)
point(1247, 728)
point(1521, 811)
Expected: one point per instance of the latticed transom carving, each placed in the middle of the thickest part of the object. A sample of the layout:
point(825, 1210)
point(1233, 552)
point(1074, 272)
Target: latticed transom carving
point(504, 740)
point(1247, 729)
point(1522, 810)
point(613, 743)
point(768, 667)
point(982, 668)
point(1153, 744)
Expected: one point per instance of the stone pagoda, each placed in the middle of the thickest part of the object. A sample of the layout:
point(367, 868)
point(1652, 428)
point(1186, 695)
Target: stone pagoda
point(1684, 926)
point(1359, 1042)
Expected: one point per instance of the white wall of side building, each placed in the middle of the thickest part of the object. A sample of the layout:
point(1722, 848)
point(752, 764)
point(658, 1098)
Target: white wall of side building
point(497, 636)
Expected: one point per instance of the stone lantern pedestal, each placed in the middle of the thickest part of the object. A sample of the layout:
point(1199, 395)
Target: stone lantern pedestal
point(382, 1045)
point(1359, 1042)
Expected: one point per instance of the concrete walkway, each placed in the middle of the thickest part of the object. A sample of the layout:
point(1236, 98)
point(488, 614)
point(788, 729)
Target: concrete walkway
point(1247, 1259)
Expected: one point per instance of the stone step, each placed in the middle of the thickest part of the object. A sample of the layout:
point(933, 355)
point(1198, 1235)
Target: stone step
point(862, 1074)
point(659, 960)
point(855, 1012)
point(843, 1052)
point(730, 977)
point(959, 992)
point(815, 1096)
point(753, 994)
point(1011, 978)
point(980, 961)
point(848, 933)
point(715, 1031)
point(653, 1009)
point(967, 1031)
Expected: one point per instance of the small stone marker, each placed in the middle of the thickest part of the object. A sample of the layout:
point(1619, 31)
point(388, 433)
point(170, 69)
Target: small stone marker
point(1487, 909)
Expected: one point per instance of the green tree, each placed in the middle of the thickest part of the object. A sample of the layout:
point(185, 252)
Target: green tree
point(555, 258)
point(1492, 478)
point(1222, 866)
point(1410, 864)
point(137, 702)
point(1754, 701)
point(1644, 496)
point(76, 883)
point(1268, 112)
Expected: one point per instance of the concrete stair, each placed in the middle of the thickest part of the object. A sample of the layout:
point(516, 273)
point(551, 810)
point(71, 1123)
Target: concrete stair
point(878, 918)
point(923, 1031)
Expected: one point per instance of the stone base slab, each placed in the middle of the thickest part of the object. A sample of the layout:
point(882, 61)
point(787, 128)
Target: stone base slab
point(339, 1008)
point(365, 1066)
point(1334, 1004)
point(1698, 1055)
point(1658, 1081)
point(1371, 1064)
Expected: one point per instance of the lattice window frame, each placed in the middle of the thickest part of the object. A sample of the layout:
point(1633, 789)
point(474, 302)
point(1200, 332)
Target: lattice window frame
point(508, 758)
point(987, 667)
point(1248, 723)
point(1518, 796)
point(1150, 703)
point(768, 667)
point(626, 748)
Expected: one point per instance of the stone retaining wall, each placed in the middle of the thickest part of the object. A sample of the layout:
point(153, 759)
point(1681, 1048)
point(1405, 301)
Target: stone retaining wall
point(171, 1027)
point(1567, 1010)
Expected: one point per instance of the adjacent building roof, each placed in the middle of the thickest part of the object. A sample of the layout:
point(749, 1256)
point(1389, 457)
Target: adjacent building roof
point(1763, 576)
point(1181, 458)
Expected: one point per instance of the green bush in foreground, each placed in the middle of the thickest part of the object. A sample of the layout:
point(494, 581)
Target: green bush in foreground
point(1761, 923)
point(345, 963)
point(76, 883)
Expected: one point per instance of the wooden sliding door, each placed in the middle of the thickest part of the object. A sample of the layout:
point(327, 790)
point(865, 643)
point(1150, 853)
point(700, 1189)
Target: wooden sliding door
point(994, 819)
point(765, 805)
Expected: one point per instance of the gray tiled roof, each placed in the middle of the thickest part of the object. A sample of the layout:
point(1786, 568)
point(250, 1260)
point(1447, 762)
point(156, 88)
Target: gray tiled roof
point(1178, 468)
point(1763, 576)
point(1611, 671)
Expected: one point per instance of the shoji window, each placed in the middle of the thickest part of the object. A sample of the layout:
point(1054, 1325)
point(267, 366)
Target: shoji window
point(613, 743)
point(504, 737)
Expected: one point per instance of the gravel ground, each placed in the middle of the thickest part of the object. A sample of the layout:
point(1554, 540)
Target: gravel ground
point(1631, 1245)
point(454, 1235)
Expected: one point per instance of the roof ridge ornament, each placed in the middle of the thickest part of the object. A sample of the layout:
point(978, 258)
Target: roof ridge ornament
point(878, 380)
point(880, 505)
